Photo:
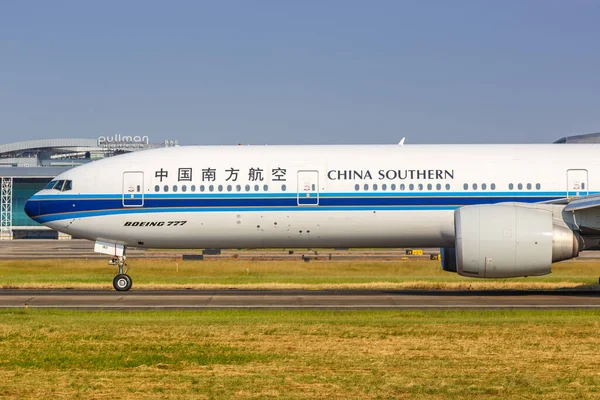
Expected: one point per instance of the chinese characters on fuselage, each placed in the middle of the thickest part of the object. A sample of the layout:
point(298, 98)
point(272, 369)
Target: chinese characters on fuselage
point(257, 174)
point(230, 174)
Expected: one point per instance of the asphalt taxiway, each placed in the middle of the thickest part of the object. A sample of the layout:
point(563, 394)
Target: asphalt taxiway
point(29, 249)
point(297, 299)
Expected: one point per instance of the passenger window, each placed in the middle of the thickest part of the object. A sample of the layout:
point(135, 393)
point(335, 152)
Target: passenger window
point(411, 186)
point(238, 188)
point(193, 188)
point(384, 187)
point(402, 186)
point(220, 188)
point(202, 188)
point(447, 186)
point(511, 186)
point(429, 186)
point(393, 186)
point(284, 188)
point(374, 186)
point(156, 188)
point(229, 188)
point(493, 186)
point(483, 186)
point(474, 186)
point(583, 185)
point(438, 186)
point(420, 186)
point(211, 188)
point(266, 188)
point(520, 186)
point(256, 188)
point(166, 188)
point(247, 188)
point(174, 188)
point(183, 188)
point(466, 186)
point(529, 186)
point(538, 186)
point(357, 187)
point(366, 187)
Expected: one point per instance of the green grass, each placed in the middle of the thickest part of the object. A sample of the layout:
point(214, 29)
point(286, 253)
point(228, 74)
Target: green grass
point(174, 273)
point(300, 354)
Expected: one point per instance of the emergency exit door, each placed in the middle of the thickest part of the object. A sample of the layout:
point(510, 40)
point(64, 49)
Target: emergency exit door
point(308, 188)
point(133, 189)
point(577, 182)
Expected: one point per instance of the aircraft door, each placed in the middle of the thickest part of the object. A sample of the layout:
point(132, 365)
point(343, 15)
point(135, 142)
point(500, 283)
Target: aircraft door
point(308, 188)
point(133, 189)
point(577, 182)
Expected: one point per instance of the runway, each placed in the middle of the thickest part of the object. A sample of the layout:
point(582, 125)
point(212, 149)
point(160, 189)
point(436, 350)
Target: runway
point(236, 299)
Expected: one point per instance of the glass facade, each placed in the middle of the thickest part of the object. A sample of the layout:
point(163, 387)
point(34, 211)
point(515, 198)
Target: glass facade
point(23, 189)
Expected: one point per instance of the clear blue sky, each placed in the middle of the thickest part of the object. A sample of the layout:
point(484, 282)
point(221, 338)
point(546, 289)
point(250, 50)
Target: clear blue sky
point(285, 72)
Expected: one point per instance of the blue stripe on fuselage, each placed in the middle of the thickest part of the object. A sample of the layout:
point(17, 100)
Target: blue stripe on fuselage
point(74, 205)
point(56, 207)
point(225, 195)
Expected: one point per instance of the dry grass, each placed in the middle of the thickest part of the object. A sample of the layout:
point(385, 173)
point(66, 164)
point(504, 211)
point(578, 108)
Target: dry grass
point(300, 355)
point(219, 274)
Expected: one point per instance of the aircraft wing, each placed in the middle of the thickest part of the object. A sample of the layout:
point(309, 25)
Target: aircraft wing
point(584, 202)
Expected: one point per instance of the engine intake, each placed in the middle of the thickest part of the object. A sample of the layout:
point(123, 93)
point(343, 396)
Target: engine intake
point(508, 240)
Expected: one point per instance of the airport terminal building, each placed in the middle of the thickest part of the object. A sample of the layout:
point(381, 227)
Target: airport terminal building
point(26, 167)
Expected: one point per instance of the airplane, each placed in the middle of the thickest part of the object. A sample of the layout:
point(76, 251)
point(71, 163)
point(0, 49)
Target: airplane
point(495, 211)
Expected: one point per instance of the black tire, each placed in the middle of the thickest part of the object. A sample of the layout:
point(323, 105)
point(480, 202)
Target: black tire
point(122, 283)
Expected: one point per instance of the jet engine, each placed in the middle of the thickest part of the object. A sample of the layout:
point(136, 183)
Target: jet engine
point(507, 241)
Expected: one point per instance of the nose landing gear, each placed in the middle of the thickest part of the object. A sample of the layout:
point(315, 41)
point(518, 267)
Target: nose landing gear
point(122, 282)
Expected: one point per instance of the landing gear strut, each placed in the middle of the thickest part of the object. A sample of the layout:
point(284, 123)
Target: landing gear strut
point(122, 282)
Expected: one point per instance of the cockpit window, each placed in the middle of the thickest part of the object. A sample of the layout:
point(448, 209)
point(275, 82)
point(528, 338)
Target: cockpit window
point(50, 185)
point(62, 185)
point(59, 185)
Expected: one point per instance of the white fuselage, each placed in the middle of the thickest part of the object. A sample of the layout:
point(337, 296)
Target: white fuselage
point(305, 196)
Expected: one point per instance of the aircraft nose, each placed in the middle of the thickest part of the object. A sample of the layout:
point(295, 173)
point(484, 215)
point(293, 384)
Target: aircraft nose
point(32, 208)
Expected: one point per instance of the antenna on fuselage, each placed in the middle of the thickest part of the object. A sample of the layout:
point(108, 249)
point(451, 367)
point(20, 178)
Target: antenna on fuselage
point(402, 141)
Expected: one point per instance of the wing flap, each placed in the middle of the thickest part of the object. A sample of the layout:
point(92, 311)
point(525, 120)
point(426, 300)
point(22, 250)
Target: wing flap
point(582, 203)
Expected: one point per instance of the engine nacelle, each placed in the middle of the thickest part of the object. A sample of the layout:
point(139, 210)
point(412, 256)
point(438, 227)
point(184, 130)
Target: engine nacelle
point(509, 240)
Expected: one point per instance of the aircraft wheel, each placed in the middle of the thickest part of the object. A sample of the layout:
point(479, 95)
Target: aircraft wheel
point(122, 283)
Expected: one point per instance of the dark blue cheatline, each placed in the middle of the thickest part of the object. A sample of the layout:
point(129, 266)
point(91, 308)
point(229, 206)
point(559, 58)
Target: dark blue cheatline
point(45, 208)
